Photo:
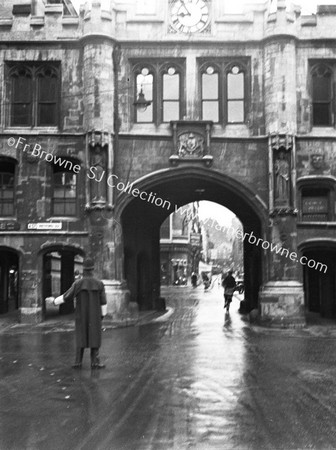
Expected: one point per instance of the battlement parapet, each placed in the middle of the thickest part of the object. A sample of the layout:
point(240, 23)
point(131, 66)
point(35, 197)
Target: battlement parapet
point(132, 21)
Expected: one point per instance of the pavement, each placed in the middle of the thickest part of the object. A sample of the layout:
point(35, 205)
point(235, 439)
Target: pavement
point(9, 323)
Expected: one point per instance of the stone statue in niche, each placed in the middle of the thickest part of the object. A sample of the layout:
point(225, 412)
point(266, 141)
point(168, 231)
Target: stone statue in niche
point(281, 179)
point(98, 168)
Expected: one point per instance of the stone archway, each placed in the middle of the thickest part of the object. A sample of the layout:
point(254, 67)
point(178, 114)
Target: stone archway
point(141, 221)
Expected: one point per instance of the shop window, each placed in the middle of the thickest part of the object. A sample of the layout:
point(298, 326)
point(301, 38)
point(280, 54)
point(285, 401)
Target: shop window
point(315, 204)
point(64, 192)
point(7, 188)
point(223, 91)
point(34, 94)
point(322, 95)
point(158, 91)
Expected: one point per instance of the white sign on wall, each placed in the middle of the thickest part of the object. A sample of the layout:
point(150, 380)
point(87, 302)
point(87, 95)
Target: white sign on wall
point(45, 226)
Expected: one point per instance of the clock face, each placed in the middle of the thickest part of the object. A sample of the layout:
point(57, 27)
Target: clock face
point(189, 16)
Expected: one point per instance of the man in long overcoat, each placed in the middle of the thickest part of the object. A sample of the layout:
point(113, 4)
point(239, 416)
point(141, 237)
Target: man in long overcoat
point(90, 309)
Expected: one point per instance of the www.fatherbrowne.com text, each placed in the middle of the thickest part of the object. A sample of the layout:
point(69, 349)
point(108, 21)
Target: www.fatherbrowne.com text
point(254, 240)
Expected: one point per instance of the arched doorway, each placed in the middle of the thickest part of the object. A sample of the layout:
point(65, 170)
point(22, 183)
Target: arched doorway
point(319, 273)
point(60, 266)
point(141, 221)
point(9, 280)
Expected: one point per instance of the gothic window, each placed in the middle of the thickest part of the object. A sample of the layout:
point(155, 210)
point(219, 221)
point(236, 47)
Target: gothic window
point(158, 91)
point(235, 95)
point(322, 95)
point(170, 95)
point(47, 94)
point(64, 198)
point(144, 90)
point(34, 94)
point(223, 91)
point(7, 188)
point(210, 94)
point(21, 96)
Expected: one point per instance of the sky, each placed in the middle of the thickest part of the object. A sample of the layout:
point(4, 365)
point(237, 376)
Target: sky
point(308, 6)
point(218, 212)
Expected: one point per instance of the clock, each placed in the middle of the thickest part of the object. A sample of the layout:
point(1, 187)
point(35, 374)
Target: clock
point(189, 16)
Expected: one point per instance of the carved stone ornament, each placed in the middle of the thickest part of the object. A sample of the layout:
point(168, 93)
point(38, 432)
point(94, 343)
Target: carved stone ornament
point(282, 178)
point(98, 167)
point(281, 147)
point(190, 145)
point(98, 138)
point(317, 161)
point(191, 142)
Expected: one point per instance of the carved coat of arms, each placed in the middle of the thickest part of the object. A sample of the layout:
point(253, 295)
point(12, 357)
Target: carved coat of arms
point(190, 145)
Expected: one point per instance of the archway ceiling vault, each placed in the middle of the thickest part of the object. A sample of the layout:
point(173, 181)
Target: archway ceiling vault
point(187, 189)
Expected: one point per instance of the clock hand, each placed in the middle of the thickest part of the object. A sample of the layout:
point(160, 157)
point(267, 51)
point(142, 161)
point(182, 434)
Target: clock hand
point(185, 7)
point(183, 14)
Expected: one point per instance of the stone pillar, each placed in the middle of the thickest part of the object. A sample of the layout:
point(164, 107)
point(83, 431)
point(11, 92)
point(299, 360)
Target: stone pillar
point(282, 296)
point(119, 306)
point(30, 310)
point(280, 71)
point(100, 84)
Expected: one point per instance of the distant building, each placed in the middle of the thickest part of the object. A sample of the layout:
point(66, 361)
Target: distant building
point(180, 245)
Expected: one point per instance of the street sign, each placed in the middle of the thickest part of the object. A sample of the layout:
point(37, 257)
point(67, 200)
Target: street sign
point(195, 239)
point(9, 226)
point(45, 226)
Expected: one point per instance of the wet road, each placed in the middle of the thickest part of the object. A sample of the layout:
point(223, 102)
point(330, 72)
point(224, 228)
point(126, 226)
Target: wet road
point(194, 380)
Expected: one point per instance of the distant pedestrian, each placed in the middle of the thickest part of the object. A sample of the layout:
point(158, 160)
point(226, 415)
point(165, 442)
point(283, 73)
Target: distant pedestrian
point(90, 310)
point(229, 285)
point(206, 280)
point(194, 279)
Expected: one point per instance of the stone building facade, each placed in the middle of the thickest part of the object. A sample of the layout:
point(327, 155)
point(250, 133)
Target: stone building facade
point(181, 245)
point(112, 117)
